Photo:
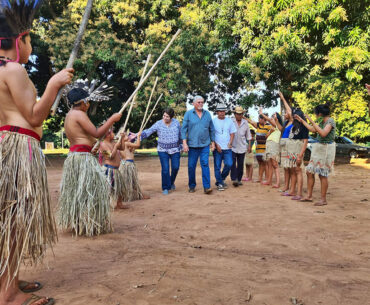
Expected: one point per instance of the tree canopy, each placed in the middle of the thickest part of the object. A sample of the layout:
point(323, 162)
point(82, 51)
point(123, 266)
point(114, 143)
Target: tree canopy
point(314, 51)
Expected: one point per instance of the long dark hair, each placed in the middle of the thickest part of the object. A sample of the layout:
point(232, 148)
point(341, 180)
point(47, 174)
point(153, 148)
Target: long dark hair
point(296, 124)
point(323, 109)
point(280, 120)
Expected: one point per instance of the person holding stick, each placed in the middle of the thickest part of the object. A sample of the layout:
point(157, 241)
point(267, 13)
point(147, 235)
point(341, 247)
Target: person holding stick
point(323, 152)
point(84, 205)
point(129, 171)
point(198, 136)
point(27, 223)
point(112, 159)
point(169, 147)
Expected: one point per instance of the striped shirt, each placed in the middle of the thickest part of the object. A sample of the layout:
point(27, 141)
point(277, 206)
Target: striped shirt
point(261, 133)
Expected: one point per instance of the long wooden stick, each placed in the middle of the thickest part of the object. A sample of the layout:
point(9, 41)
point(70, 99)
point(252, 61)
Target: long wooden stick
point(142, 83)
point(134, 99)
point(151, 113)
point(150, 71)
point(147, 106)
point(76, 47)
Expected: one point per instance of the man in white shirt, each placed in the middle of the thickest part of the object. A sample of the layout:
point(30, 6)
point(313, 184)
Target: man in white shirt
point(224, 135)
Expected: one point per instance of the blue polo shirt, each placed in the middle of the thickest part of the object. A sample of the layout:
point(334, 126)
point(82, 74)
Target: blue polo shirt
point(199, 132)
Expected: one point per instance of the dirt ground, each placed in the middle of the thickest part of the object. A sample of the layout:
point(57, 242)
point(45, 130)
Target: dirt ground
point(246, 245)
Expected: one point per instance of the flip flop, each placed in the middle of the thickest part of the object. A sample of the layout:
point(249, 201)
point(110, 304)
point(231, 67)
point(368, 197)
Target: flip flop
point(286, 194)
point(296, 198)
point(34, 298)
point(306, 200)
point(23, 284)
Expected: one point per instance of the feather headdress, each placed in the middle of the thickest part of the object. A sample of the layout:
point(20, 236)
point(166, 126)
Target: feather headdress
point(18, 15)
point(96, 93)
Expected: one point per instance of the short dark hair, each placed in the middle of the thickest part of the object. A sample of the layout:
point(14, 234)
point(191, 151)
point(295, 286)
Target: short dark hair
point(76, 95)
point(252, 131)
point(170, 112)
point(323, 109)
point(7, 44)
point(261, 116)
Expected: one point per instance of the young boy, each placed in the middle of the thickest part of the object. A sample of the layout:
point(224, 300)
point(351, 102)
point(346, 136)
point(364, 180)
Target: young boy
point(26, 220)
point(129, 171)
point(112, 160)
point(84, 201)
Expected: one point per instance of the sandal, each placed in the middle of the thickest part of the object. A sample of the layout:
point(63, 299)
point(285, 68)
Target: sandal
point(296, 198)
point(306, 200)
point(23, 285)
point(286, 194)
point(34, 298)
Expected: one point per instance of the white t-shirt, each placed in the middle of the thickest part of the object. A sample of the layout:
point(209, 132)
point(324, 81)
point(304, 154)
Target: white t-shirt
point(223, 129)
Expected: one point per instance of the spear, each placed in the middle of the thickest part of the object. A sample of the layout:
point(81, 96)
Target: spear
point(151, 113)
point(75, 49)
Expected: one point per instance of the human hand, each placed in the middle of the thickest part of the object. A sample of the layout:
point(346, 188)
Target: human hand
point(308, 117)
point(230, 145)
point(299, 159)
point(185, 147)
point(213, 147)
point(298, 118)
point(260, 111)
point(116, 117)
point(218, 148)
point(249, 150)
point(62, 78)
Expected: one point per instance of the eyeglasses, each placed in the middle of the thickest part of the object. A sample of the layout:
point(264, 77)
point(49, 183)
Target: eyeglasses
point(200, 102)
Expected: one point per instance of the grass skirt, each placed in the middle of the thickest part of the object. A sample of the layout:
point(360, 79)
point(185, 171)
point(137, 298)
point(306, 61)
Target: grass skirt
point(284, 157)
point(117, 185)
point(131, 181)
point(272, 150)
point(293, 148)
point(249, 158)
point(322, 159)
point(26, 220)
point(84, 205)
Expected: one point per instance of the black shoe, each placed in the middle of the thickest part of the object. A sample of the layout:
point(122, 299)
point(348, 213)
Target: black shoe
point(224, 185)
point(208, 191)
point(240, 183)
point(191, 190)
point(235, 183)
point(220, 187)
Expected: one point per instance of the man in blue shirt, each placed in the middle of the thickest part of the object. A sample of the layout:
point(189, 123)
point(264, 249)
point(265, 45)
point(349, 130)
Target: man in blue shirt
point(198, 136)
point(224, 135)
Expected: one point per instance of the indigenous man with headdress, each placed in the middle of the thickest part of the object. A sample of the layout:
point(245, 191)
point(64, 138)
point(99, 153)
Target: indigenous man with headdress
point(84, 201)
point(109, 149)
point(129, 171)
point(26, 219)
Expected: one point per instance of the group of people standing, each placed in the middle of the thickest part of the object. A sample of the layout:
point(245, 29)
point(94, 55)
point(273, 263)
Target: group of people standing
point(278, 144)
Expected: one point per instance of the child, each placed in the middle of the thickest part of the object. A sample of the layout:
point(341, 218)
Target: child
point(129, 171)
point(84, 200)
point(249, 159)
point(109, 149)
point(27, 221)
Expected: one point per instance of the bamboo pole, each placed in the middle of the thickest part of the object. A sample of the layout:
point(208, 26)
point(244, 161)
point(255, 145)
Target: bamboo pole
point(76, 47)
point(147, 106)
point(151, 113)
point(142, 83)
point(134, 98)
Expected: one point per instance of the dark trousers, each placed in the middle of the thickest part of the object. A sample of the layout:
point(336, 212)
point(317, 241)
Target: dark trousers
point(238, 167)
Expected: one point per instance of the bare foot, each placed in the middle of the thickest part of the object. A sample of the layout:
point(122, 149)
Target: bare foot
point(121, 206)
point(276, 186)
point(265, 183)
point(306, 199)
point(320, 203)
point(19, 297)
point(146, 196)
point(257, 181)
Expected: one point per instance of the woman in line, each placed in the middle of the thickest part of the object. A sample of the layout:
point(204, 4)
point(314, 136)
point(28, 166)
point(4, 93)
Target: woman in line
point(169, 147)
point(296, 146)
point(273, 150)
point(323, 152)
point(285, 130)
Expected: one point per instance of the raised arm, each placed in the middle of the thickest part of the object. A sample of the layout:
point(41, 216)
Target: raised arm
point(270, 120)
point(322, 132)
point(286, 105)
point(24, 95)
point(136, 144)
point(304, 122)
point(148, 132)
point(253, 123)
point(89, 127)
point(278, 125)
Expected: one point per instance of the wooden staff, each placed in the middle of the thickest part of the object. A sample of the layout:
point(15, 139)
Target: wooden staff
point(75, 49)
point(142, 83)
point(147, 106)
point(151, 113)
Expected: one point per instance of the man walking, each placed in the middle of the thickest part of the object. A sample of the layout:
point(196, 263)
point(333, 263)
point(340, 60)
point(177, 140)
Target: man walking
point(198, 137)
point(241, 142)
point(224, 136)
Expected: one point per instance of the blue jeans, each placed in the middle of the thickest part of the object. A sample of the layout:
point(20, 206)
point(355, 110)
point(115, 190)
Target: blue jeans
point(194, 154)
point(226, 156)
point(169, 179)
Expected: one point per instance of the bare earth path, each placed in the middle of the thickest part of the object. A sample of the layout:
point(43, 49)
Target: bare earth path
point(212, 250)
